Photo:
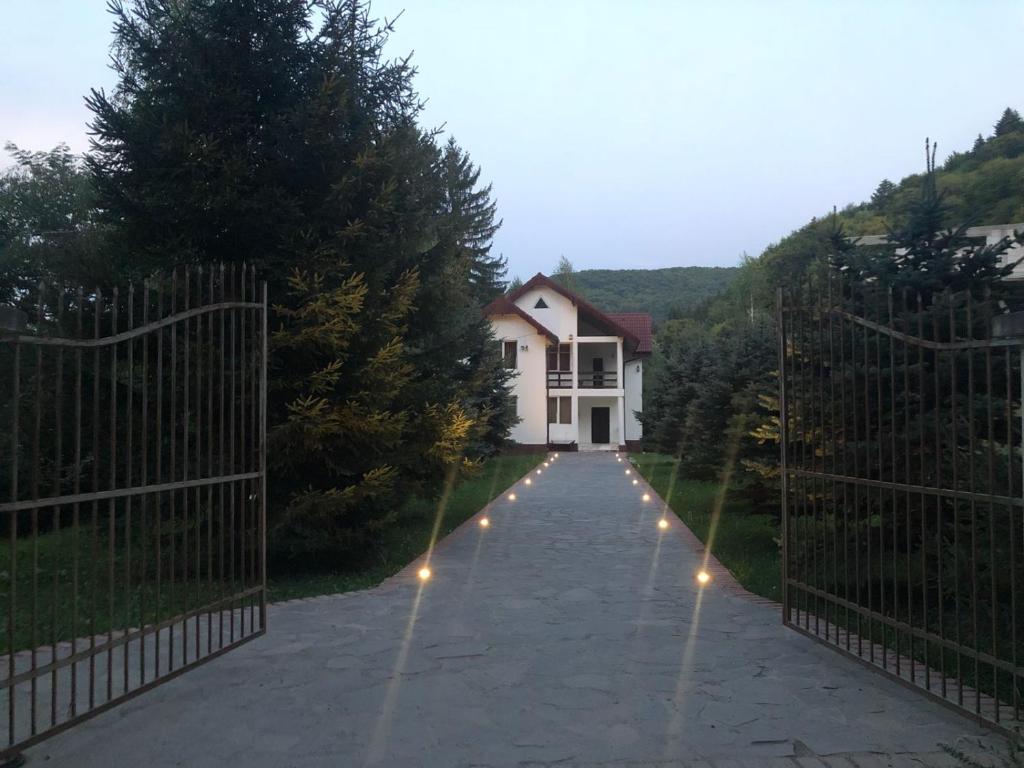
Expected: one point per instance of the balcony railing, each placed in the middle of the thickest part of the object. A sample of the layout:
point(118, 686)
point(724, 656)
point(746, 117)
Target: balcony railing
point(559, 379)
point(598, 380)
point(587, 379)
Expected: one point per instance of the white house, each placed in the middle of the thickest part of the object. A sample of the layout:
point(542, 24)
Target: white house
point(580, 370)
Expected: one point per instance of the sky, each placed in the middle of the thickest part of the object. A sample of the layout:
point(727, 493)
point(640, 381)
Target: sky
point(632, 135)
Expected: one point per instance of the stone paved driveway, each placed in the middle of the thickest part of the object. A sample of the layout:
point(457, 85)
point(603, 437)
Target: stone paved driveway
point(569, 632)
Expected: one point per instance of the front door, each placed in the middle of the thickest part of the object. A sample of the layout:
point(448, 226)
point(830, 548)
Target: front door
point(600, 425)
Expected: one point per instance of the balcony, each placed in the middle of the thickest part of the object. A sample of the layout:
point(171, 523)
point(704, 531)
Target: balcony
point(559, 379)
point(586, 379)
point(598, 380)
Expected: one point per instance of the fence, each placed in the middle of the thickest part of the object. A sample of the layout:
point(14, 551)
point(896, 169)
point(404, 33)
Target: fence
point(132, 444)
point(903, 532)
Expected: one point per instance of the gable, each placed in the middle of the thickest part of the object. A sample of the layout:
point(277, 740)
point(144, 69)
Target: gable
point(557, 313)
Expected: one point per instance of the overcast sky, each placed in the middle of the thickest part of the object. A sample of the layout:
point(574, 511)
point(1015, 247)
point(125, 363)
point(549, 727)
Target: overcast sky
point(644, 134)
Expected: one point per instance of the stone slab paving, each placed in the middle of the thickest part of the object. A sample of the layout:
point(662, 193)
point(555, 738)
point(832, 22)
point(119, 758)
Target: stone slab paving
point(571, 632)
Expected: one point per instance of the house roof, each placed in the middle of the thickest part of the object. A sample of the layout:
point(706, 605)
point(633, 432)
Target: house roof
point(639, 323)
point(632, 326)
point(541, 280)
point(503, 305)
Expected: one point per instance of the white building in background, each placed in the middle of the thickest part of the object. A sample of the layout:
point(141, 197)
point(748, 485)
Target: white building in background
point(580, 370)
point(990, 233)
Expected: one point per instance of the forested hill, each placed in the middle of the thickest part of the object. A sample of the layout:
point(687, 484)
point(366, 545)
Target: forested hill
point(658, 291)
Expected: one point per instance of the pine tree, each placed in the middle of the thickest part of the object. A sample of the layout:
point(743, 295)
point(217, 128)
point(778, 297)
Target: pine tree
point(1009, 122)
point(922, 253)
point(470, 215)
point(979, 144)
point(882, 195)
point(290, 141)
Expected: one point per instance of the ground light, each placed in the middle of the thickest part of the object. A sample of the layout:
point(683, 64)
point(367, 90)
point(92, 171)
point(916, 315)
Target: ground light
point(647, 497)
point(511, 497)
point(546, 464)
point(663, 523)
point(528, 481)
point(703, 577)
point(423, 573)
point(635, 481)
point(538, 471)
point(484, 522)
point(628, 472)
point(556, 455)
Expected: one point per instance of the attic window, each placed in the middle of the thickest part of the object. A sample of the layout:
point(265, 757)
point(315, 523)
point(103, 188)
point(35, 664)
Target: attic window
point(541, 304)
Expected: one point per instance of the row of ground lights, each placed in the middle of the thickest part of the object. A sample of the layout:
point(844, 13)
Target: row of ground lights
point(424, 573)
point(703, 577)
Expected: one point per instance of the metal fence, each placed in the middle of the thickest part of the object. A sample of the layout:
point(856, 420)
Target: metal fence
point(903, 517)
point(132, 450)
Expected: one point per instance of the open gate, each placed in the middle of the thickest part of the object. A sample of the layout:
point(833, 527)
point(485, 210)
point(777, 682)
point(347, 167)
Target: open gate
point(133, 488)
point(903, 516)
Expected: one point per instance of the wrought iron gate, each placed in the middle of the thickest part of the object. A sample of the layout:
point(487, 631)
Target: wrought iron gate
point(133, 453)
point(903, 517)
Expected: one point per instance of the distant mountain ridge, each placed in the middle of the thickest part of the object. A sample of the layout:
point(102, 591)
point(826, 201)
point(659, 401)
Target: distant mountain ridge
point(657, 291)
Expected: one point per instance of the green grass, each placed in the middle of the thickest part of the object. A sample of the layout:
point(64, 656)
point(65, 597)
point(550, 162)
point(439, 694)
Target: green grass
point(744, 542)
point(61, 613)
point(411, 539)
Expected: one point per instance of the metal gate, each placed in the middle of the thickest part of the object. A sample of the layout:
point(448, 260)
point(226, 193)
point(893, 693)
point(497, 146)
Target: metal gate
point(903, 518)
point(133, 453)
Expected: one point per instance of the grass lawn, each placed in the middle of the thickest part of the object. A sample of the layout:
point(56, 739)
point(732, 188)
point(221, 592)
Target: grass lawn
point(744, 542)
point(56, 613)
point(411, 539)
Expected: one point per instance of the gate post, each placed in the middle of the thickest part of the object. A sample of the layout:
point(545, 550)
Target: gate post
point(783, 441)
point(1011, 325)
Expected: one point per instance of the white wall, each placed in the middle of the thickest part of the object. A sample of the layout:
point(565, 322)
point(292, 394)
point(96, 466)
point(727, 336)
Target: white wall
point(560, 315)
point(529, 384)
point(634, 381)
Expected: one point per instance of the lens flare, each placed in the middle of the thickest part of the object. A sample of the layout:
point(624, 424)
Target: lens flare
point(423, 573)
point(484, 522)
point(703, 577)
point(663, 523)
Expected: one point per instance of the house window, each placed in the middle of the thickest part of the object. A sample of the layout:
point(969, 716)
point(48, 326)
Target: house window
point(559, 410)
point(565, 410)
point(560, 357)
point(509, 351)
point(541, 304)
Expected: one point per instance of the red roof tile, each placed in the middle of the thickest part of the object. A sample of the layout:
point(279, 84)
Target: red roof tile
point(639, 324)
point(503, 306)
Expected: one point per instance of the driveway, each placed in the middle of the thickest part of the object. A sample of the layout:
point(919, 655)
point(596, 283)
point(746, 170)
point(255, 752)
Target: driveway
point(571, 631)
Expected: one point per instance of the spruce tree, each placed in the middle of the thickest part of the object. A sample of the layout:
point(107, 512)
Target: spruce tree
point(1009, 122)
point(278, 133)
point(882, 195)
point(470, 216)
